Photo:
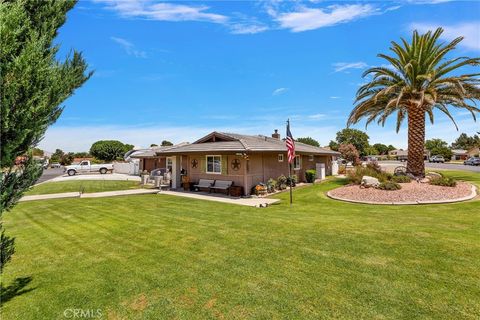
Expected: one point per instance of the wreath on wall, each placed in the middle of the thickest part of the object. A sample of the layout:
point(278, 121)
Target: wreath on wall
point(194, 163)
point(236, 164)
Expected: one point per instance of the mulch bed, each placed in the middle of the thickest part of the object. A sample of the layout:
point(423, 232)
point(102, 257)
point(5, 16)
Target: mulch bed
point(410, 192)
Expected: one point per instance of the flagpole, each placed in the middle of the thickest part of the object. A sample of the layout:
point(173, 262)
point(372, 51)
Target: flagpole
point(290, 169)
point(290, 178)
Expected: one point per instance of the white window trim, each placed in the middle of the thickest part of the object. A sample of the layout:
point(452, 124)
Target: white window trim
point(206, 163)
point(280, 157)
point(311, 157)
point(299, 162)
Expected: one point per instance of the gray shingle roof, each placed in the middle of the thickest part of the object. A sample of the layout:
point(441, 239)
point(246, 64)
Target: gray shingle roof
point(244, 143)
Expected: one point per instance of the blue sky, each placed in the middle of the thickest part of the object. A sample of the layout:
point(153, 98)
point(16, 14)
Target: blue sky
point(178, 70)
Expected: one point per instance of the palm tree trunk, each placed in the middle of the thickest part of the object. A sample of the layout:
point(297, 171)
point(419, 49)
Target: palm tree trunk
point(416, 141)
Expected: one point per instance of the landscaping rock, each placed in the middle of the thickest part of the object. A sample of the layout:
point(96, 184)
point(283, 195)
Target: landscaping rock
point(425, 180)
point(368, 182)
point(432, 175)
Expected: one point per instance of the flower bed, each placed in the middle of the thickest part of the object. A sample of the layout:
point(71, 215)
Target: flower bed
point(410, 193)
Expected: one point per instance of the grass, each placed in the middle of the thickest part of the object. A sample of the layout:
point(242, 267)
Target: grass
point(86, 186)
point(162, 257)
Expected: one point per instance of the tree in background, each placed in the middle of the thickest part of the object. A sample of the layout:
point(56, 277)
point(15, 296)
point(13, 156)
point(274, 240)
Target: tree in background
point(109, 150)
point(435, 143)
point(382, 148)
point(153, 145)
point(422, 77)
point(67, 159)
point(166, 143)
point(81, 155)
point(371, 151)
point(56, 156)
point(309, 141)
point(333, 145)
point(33, 86)
point(466, 142)
point(38, 152)
point(349, 153)
point(354, 136)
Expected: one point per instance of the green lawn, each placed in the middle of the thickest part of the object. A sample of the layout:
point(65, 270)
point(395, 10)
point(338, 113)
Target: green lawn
point(164, 257)
point(86, 186)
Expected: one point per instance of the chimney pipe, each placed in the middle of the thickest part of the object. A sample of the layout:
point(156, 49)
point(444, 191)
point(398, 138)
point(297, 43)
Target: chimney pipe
point(276, 135)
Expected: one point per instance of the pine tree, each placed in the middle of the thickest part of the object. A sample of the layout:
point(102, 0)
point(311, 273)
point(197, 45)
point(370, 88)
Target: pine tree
point(33, 85)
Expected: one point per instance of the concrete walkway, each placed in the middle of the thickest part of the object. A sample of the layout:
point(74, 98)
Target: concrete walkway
point(251, 202)
point(88, 195)
point(96, 176)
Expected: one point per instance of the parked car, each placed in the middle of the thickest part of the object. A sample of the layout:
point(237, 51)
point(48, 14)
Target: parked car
point(55, 165)
point(85, 166)
point(437, 159)
point(473, 161)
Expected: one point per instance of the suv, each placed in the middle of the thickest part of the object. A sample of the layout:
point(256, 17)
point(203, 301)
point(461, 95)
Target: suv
point(473, 161)
point(437, 159)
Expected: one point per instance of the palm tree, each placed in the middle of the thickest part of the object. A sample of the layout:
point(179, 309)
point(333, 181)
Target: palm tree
point(417, 81)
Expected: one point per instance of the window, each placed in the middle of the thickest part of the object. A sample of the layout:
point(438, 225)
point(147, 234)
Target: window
point(280, 157)
point(84, 163)
point(214, 164)
point(310, 157)
point(297, 163)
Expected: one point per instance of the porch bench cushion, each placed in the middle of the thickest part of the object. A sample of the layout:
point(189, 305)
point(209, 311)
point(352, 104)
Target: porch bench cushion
point(204, 183)
point(222, 185)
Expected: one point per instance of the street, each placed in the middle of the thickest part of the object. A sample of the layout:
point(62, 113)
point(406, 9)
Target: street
point(391, 165)
point(49, 174)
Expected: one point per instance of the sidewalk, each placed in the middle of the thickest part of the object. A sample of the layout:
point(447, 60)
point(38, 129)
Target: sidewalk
point(251, 202)
point(88, 195)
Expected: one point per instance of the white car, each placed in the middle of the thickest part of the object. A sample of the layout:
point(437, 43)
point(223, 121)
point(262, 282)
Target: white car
point(85, 166)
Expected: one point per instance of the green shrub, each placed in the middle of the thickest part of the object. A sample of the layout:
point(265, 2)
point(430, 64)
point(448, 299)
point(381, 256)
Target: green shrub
point(355, 176)
point(310, 175)
point(271, 185)
point(389, 185)
point(401, 179)
point(293, 180)
point(282, 182)
point(443, 181)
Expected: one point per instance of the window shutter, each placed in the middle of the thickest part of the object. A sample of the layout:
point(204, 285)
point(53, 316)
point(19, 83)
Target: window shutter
point(224, 165)
point(203, 165)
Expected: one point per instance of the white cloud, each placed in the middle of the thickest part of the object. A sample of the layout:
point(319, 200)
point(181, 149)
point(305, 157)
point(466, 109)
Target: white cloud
point(279, 91)
point(342, 66)
point(129, 47)
point(163, 11)
point(313, 18)
point(334, 97)
point(469, 30)
point(428, 1)
point(317, 116)
point(241, 28)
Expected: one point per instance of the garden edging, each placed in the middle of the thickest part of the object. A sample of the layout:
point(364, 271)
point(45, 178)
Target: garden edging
point(472, 195)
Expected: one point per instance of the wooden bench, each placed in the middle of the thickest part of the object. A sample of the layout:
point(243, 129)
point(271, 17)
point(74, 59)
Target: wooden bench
point(204, 184)
point(222, 185)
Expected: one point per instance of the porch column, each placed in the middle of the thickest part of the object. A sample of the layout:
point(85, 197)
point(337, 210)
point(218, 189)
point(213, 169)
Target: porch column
point(176, 178)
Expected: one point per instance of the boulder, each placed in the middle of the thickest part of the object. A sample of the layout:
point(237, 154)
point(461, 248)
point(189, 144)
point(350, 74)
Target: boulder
point(432, 175)
point(368, 182)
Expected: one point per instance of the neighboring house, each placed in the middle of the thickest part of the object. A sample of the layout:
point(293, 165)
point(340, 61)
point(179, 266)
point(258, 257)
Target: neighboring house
point(246, 160)
point(473, 152)
point(402, 155)
point(459, 154)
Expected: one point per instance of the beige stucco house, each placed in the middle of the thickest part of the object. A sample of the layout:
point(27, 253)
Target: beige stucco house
point(244, 159)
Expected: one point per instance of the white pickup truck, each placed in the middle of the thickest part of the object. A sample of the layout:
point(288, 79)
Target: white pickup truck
point(85, 166)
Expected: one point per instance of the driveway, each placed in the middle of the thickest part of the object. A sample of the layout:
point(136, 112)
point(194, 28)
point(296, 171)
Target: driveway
point(391, 165)
point(96, 176)
point(49, 174)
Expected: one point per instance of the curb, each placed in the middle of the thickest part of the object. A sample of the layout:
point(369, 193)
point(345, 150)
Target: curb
point(472, 195)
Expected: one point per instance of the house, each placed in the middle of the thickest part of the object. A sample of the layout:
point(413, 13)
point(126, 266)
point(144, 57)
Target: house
point(459, 154)
point(247, 160)
point(473, 152)
point(402, 155)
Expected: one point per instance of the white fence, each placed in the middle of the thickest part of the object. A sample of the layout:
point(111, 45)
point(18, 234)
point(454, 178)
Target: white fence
point(132, 168)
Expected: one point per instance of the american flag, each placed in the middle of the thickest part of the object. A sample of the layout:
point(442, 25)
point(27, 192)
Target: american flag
point(290, 144)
